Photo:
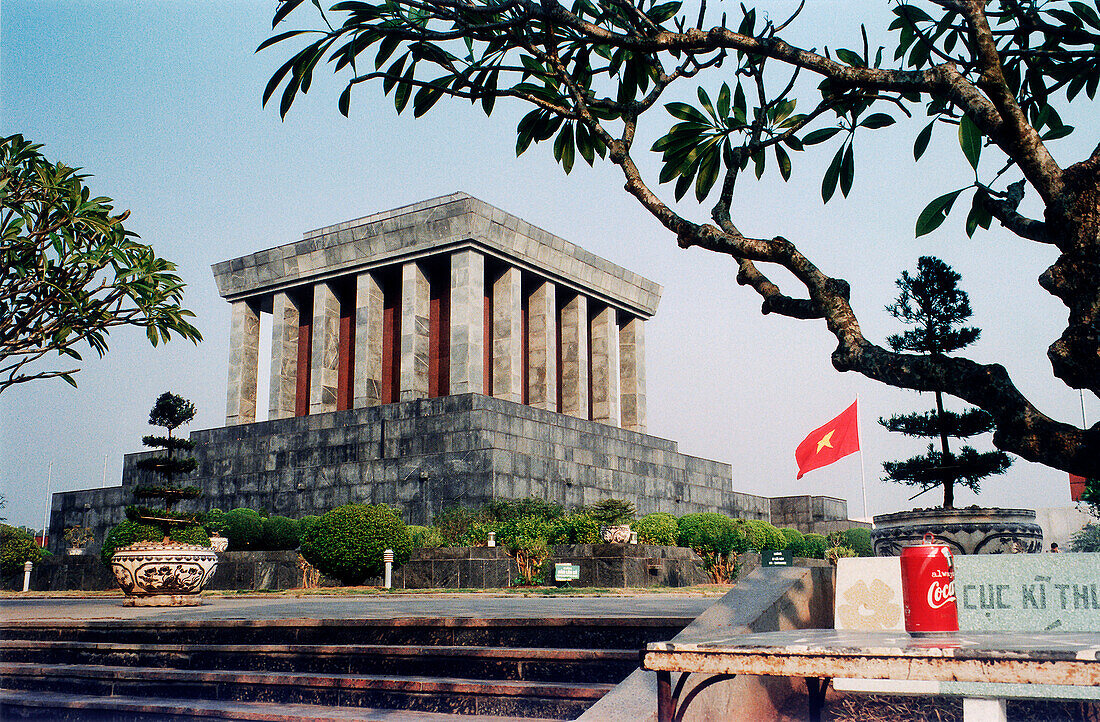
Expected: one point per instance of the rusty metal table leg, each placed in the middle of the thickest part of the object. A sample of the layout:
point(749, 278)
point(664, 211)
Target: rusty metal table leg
point(665, 710)
point(815, 696)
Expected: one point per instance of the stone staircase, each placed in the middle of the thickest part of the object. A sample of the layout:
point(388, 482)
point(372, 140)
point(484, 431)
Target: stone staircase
point(302, 669)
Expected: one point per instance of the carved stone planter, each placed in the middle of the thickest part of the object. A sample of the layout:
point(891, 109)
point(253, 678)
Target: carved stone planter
point(615, 534)
point(153, 574)
point(973, 530)
point(219, 543)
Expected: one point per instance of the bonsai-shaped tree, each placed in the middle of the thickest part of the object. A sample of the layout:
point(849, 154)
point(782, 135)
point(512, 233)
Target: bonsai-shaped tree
point(170, 411)
point(936, 308)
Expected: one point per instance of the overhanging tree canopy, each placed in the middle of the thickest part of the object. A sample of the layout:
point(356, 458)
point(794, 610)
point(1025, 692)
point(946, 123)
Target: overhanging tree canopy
point(997, 74)
point(70, 271)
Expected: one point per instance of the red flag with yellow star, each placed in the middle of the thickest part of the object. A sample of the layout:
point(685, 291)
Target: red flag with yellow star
point(828, 443)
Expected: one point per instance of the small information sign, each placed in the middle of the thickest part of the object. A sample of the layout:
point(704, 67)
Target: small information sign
point(567, 572)
point(777, 558)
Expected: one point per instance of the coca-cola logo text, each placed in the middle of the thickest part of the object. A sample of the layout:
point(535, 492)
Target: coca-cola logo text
point(941, 594)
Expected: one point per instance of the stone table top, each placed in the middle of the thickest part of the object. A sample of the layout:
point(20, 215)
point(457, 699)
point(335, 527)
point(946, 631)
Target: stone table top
point(1070, 658)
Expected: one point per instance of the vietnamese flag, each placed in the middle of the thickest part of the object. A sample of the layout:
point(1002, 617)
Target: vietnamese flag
point(828, 443)
point(1076, 487)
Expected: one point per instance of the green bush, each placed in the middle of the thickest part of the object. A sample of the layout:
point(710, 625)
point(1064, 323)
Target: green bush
point(715, 538)
point(347, 543)
point(796, 543)
point(530, 554)
point(244, 528)
point(815, 546)
point(306, 523)
point(660, 527)
point(131, 532)
point(530, 527)
point(858, 540)
point(17, 547)
point(761, 535)
point(424, 537)
point(612, 512)
point(279, 533)
point(454, 524)
point(215, 522)
point(575, 528)
point(477, 534)
point(1087, 539)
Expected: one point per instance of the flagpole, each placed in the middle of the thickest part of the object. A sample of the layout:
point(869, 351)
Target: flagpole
point(46, 514)
point(862, 470)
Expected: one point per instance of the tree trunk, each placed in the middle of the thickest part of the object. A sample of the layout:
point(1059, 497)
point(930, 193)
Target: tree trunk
point(948, 481)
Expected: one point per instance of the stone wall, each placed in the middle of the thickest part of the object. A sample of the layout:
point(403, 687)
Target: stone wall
point(425, 456)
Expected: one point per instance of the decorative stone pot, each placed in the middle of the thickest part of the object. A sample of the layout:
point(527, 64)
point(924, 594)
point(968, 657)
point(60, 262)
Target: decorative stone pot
point(219, 543)
point(973, 530)
point(154, 574)
point(75, 551)
point(615, 534)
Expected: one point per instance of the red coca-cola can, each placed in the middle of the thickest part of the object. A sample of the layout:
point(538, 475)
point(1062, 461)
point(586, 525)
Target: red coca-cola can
point(928, 588)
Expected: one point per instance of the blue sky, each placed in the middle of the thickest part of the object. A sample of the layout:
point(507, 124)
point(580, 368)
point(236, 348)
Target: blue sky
point(160, 102)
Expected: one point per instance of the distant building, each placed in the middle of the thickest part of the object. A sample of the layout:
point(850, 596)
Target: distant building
point(440, 354)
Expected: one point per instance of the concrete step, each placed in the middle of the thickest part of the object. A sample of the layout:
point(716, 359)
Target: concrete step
point(60, 707)
point(558, 700)
point(594, 633)
point(514, 663)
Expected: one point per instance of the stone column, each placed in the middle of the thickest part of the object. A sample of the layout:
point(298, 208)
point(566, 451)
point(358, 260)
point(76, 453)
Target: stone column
point(415, 300)
point(467, 322)
point(284, 356)
point(244, 356)
point(367, 386)
point(574, 357)
point(605, 367)
point(542, 357)
point(508, 336)
point(632, 393)
point(325, 355)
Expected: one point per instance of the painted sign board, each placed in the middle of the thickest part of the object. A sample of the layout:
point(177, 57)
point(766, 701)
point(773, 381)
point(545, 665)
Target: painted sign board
point(776, 558)
point(567, 572)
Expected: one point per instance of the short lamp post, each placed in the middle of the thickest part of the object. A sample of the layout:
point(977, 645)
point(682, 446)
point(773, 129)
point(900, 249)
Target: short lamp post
point(27, 566)
point(492, 539)
point(387, 556)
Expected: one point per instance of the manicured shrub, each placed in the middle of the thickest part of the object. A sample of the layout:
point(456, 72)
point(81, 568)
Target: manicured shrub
point(244, 528)
point(796, 543)
point(761, 535)
point(660, 527)
point(530, 527)
point(215, 522)
point(17, 547)
point(576, 528)
point(1087, 539)
point(278, 533)
point(815, 546)
point(715, 538)
point(424, 537)
point(858, 540)
point(131, 532)
point(306, 523)
point(347, 543)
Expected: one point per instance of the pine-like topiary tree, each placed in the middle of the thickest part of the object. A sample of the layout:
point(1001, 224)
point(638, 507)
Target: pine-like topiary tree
point(935, 308)
point(170, 411)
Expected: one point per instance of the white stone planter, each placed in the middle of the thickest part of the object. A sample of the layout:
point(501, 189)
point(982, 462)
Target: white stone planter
point(219, 543)
point(970, 530)
point(75, 552)
point(153, 574)
point(615, 534)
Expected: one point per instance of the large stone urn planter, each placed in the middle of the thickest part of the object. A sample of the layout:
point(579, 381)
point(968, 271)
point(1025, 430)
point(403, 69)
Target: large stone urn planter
point(973, 530)
point(154, 574)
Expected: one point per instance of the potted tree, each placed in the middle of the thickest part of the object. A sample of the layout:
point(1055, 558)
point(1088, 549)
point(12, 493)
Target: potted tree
point(166, 572)
point(936, 310)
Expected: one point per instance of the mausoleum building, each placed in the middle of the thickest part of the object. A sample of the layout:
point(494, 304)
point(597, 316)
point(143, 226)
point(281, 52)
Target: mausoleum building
point(445, 353)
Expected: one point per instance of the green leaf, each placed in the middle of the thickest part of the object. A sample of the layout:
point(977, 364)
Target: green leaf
point(724, 102)
point(1056, 133)
point(819, 136)
point(970, 139)
point(877, 120)
point(344, 102)
point(708, 174)
point(935, 212)
point(832, 173)
point(784, 162)
point(704, 99)
point(683, 111)
point(921, 143)
point(847, 171)
point(851, 58)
